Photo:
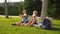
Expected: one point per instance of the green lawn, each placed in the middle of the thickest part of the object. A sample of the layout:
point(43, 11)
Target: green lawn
point(7, 28)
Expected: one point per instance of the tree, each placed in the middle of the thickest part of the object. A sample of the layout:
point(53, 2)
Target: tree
point(6, 9)
point(44, 9)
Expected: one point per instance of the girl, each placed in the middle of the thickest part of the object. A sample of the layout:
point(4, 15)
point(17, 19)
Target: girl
point(34, 19)
point(25, 19)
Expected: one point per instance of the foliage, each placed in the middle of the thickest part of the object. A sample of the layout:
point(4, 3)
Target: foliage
point(53, 8)
point(12, 10)
point(32, 5)
point(2, 11)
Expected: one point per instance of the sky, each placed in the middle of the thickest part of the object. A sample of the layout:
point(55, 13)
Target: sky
point(2, 1)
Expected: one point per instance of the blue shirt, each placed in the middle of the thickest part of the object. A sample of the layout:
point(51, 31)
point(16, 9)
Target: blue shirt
point(25, 19)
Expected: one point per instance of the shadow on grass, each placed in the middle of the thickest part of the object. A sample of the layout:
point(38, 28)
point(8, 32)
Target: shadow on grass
point(56, 25)
point(56, 29)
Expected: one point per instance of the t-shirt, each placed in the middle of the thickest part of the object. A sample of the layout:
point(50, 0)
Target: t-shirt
point(36, 19)
point(25, 19)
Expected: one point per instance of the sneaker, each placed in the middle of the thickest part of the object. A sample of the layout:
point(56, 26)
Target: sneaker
point(14, 24)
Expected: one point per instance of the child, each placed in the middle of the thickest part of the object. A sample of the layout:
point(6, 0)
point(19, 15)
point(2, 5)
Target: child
point(25, 19)
point(47, 23)
point(34, 19)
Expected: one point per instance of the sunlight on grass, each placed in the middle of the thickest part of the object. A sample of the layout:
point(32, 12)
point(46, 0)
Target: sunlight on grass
point(7, 28)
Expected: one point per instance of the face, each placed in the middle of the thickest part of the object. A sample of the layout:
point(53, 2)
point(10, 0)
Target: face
point(47, 17)
point(35, 12)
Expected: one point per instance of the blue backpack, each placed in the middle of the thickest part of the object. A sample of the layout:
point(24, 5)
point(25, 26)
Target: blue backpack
point(46, 24)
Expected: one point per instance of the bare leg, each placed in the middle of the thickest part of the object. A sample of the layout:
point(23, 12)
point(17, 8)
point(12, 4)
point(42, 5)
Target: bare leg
point(32, 22)
point(27, 24)
point(18, 23)
point(23, 23)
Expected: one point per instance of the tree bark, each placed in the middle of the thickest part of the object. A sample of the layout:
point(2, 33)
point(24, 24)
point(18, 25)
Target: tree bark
point(44, 9)
point(6, 9)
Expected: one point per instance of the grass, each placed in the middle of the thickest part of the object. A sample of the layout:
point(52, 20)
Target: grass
point(7, 28)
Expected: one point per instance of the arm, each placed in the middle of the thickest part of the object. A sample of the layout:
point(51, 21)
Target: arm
point(33, 21)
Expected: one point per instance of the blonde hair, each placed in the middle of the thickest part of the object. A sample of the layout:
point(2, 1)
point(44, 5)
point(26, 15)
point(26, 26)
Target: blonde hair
point(24, 11)
point(35, 12)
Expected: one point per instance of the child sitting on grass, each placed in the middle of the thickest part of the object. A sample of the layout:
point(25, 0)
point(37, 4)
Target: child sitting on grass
point(47, 23)
point(25, 19)
point(33, 19)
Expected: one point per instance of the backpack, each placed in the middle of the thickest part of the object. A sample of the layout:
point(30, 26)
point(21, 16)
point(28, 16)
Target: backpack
point(46, 24)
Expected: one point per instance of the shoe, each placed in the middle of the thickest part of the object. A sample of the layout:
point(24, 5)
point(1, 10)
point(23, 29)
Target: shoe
point(14, 24)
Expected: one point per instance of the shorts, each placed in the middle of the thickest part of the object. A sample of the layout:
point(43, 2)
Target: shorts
point(25, 22)
point(36, 23)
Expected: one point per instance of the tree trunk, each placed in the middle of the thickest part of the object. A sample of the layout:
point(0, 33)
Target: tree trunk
point(44, 9)
point(6, 9)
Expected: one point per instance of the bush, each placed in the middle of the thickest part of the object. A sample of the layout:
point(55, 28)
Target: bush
point(13, 10)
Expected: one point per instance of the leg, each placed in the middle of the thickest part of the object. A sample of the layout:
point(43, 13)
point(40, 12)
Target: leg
point(17, 23)
point(27, 24)
point(23, 23)
point(33, 22)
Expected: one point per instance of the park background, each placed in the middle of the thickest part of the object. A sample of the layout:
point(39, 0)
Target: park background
point(10, 12)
